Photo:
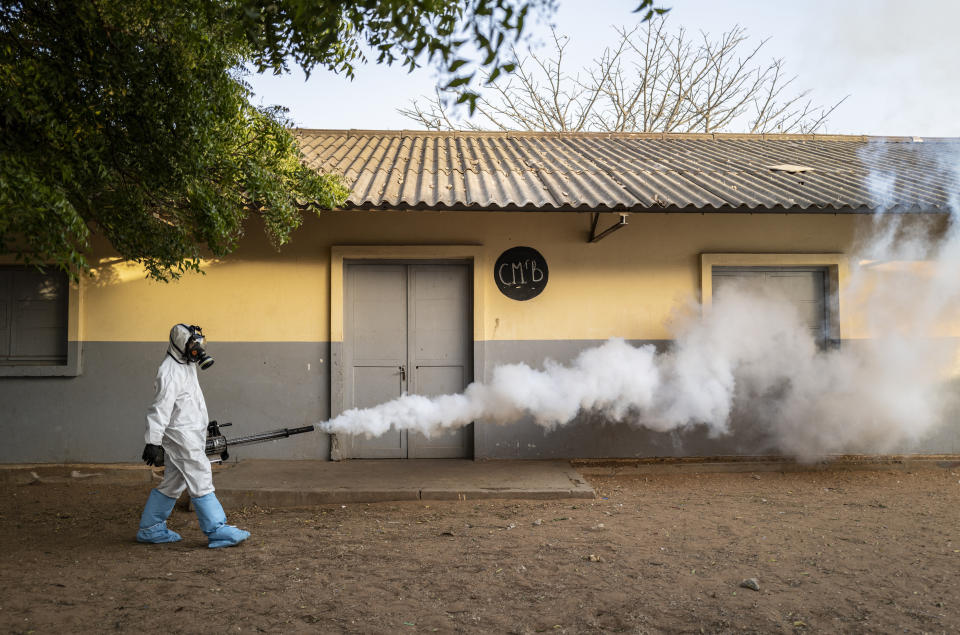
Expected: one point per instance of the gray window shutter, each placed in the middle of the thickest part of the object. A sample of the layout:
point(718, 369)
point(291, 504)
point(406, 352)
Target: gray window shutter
point(36, 316)
point(803, 287)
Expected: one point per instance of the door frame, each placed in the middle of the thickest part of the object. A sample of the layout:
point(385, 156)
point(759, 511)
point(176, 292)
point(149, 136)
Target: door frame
point(340, 255)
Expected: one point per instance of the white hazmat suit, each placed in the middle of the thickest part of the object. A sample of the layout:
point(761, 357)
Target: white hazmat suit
point(177, 422)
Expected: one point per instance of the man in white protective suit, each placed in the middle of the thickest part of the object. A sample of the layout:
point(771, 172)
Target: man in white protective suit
point(176, 438)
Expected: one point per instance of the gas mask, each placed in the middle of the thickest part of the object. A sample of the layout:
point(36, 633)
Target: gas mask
point(193, 350)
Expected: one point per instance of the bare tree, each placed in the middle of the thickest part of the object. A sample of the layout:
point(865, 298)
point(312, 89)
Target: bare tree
point(652, 80)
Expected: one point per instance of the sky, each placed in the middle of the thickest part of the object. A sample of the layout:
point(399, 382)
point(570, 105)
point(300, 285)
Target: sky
point(897, 63)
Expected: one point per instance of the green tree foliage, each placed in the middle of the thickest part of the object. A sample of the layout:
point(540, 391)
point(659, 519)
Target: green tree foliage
point(132, 120)
point(127, 119)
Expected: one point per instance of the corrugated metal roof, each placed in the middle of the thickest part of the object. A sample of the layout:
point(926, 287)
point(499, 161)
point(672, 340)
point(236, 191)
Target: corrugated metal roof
point(636, 172)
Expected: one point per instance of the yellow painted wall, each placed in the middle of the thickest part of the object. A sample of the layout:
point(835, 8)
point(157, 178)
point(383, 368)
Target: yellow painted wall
point(625, 285)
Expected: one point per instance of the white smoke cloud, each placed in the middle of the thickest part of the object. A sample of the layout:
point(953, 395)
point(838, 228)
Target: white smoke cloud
point(751, 365)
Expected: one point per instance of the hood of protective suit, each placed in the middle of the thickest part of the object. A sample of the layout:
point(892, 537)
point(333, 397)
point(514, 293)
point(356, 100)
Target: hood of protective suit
point(179, 335)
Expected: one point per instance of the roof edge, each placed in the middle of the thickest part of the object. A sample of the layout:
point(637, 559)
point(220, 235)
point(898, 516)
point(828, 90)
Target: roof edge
point(839, 210)
point(657, 136)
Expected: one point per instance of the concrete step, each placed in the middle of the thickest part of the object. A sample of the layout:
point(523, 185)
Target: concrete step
point(276, 483)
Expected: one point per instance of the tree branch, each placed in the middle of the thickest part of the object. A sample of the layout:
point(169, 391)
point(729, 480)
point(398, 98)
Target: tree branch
point(651, 80)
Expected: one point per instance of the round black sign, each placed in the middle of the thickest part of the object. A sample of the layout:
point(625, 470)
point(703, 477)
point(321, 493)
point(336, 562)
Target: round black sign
point(521, 273)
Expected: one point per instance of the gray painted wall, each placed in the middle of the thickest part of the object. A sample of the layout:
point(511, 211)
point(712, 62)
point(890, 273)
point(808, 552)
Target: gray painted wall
point(98, 416)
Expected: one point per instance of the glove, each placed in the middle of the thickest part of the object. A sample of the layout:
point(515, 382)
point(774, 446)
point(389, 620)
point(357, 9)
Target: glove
point(153, 455)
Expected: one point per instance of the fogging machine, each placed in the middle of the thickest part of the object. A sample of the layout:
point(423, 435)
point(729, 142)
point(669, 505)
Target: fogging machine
point(218, 445)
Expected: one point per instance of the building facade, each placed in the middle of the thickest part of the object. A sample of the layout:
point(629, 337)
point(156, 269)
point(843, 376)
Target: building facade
point(413, 287)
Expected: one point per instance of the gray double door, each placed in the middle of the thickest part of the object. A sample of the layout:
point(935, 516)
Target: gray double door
point(407, 329)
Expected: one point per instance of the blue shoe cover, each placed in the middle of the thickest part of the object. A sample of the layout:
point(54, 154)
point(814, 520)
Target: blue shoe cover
point(157, 534)
point(153, 521)
point(213, 522)
point(226, 536)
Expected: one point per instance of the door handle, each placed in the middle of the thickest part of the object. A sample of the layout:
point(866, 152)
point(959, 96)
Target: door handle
point(403, 373)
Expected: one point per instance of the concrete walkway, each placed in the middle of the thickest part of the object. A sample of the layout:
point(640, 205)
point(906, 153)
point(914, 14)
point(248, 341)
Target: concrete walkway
point(271, 483)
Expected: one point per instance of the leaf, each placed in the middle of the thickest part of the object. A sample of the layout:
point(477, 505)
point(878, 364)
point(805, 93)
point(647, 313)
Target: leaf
point(458, 81)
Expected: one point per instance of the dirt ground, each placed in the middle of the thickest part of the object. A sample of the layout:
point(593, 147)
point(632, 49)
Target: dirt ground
point(832, 551)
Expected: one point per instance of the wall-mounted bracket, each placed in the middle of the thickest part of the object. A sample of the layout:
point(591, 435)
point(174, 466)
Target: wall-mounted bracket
point(594, 236)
